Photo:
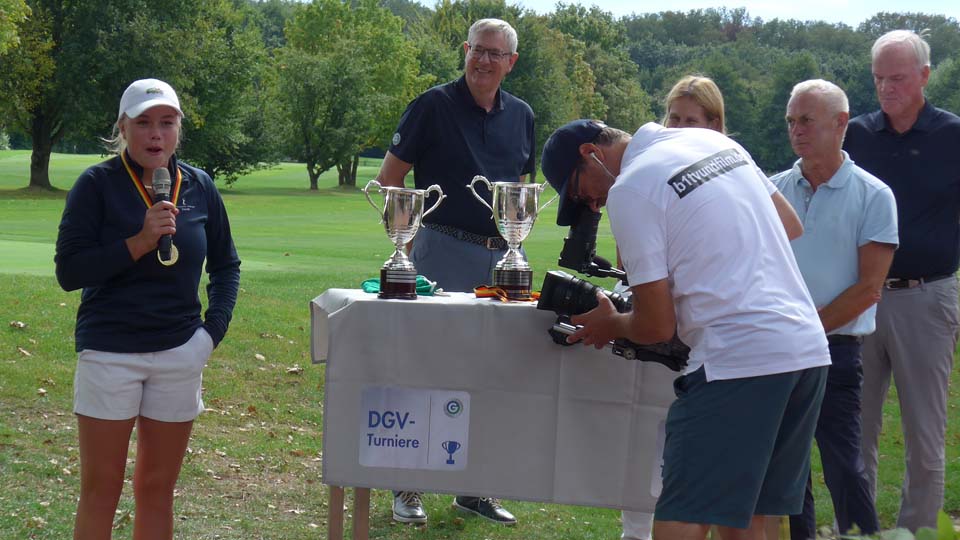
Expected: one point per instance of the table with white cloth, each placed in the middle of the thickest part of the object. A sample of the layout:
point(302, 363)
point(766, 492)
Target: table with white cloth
point(535, 420)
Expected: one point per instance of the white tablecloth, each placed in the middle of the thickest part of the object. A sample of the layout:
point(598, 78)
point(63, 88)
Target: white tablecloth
point(569, 425)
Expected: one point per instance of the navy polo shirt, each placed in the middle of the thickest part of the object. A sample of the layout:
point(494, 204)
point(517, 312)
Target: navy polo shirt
point(922, 167)
point(141, 306)
point(449, 139)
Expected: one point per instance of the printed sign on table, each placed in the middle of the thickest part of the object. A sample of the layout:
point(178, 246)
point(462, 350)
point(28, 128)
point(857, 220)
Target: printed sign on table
point(408, 428)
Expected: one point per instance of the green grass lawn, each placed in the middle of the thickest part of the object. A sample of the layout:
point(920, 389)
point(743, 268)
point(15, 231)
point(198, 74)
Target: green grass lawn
point(253, 470)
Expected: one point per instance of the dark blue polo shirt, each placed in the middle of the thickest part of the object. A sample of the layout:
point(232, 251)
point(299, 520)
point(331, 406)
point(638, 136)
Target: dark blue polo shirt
point(142, 306)
point(922, 167)
point(449, 139)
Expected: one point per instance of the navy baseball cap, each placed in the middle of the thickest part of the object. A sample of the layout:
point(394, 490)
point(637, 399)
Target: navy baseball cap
point(560, 156)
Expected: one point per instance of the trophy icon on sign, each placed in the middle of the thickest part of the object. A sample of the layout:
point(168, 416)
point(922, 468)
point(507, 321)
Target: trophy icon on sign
point(450, 447)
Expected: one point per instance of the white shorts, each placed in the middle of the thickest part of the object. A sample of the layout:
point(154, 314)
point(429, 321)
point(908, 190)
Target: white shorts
point(163, 385)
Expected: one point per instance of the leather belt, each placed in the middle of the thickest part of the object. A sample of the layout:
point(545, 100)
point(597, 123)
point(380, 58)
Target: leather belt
point(492, 243)
point(902, 283)
point(838, 339)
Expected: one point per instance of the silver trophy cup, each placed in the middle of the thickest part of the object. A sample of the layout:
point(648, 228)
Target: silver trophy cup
point(401, 214)
point(514, 210)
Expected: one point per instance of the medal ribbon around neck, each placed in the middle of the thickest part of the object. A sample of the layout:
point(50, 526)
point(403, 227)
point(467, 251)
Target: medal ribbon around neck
point(142, 190)
point(174, 252)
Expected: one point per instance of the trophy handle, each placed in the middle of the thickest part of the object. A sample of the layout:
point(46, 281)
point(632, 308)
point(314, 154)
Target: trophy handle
point(542, 187)
point(479, 178)
point(369, 200)
point(426, 193)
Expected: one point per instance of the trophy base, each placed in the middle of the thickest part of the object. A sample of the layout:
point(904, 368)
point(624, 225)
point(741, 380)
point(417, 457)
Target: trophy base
point(516, 283)
point(400, 284)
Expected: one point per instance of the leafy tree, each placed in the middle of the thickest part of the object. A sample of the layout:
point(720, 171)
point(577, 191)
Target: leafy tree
point(410, 11)
point(272, 16)
point(439, 61)
point(343, 78)
point(943, 90)
point(12, 13)
point(626, 103)
point(694, 27)
point(594, 26)
point(225, 60)
point(736, 79)
point(65, 85)
point(851, 72)
point(28, 88)
point(777, 154)
point(553, 77)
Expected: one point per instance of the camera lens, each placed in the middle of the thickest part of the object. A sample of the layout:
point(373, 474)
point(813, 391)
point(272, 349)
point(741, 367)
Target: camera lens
point(565, 294)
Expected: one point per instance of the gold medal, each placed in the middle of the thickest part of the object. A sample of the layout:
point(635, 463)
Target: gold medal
point(174, 255)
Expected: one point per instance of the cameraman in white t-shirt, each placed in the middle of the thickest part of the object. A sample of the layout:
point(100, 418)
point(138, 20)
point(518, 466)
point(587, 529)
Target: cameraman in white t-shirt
point(703, 243)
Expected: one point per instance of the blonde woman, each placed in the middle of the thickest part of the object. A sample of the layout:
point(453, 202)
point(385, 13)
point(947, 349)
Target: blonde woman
point(695, 101)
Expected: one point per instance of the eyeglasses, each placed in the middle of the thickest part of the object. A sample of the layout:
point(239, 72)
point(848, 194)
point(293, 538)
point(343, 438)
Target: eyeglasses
point(574, 190)
point(493, 54)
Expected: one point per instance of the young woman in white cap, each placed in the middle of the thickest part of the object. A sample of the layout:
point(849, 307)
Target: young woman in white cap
point(141, 339)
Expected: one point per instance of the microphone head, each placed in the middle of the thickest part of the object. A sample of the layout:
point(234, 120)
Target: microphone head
point(161, 181)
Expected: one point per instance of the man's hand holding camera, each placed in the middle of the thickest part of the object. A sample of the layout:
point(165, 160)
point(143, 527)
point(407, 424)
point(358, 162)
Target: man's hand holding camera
point(651, 318)
point(600, 325)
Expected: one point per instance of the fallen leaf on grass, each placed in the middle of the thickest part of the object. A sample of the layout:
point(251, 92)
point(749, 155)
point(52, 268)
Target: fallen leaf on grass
point(18, 324)
point(23, 351)
point(295, 370)
point(260, 357)
point(122, 521)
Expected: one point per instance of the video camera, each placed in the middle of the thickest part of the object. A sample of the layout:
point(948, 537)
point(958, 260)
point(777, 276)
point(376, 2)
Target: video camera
point(567, 295)
point(579, 251)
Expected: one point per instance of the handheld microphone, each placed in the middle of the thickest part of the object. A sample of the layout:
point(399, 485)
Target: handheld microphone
point(161, 192)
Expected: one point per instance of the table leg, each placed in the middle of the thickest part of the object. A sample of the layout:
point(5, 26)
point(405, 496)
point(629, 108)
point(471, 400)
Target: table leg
point(361, 513)
point(335, 516)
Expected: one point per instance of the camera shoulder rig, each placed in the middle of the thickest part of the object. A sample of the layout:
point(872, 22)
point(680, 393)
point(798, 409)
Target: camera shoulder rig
point(673, 354)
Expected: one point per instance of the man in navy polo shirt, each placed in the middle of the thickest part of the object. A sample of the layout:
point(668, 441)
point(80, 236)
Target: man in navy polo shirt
point(849, 237)
point(448, 135)
point(913, 147)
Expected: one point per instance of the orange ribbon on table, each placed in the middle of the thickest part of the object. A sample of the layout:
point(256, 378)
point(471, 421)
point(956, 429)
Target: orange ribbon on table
point(487, 291)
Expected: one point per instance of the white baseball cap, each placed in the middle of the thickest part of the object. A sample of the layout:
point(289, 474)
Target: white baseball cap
point(146, 93)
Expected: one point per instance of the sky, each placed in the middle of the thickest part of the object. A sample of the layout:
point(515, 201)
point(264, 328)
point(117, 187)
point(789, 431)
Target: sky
point(850, 12)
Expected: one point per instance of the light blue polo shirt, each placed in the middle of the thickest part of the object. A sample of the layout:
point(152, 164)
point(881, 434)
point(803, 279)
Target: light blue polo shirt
point(850, 210)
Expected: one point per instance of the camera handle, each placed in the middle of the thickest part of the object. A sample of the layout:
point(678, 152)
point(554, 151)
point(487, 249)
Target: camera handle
point(659, 353)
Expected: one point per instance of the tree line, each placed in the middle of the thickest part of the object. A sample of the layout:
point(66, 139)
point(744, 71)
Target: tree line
point(322, 83)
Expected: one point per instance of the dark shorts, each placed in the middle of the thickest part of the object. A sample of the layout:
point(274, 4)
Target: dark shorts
point(738, 448)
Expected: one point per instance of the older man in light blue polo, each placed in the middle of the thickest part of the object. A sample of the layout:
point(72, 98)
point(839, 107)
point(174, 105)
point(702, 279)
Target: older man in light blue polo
point(850, 234)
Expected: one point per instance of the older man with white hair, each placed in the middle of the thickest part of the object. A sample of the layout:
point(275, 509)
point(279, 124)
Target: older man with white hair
point(912, 146)
point(850, 234)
